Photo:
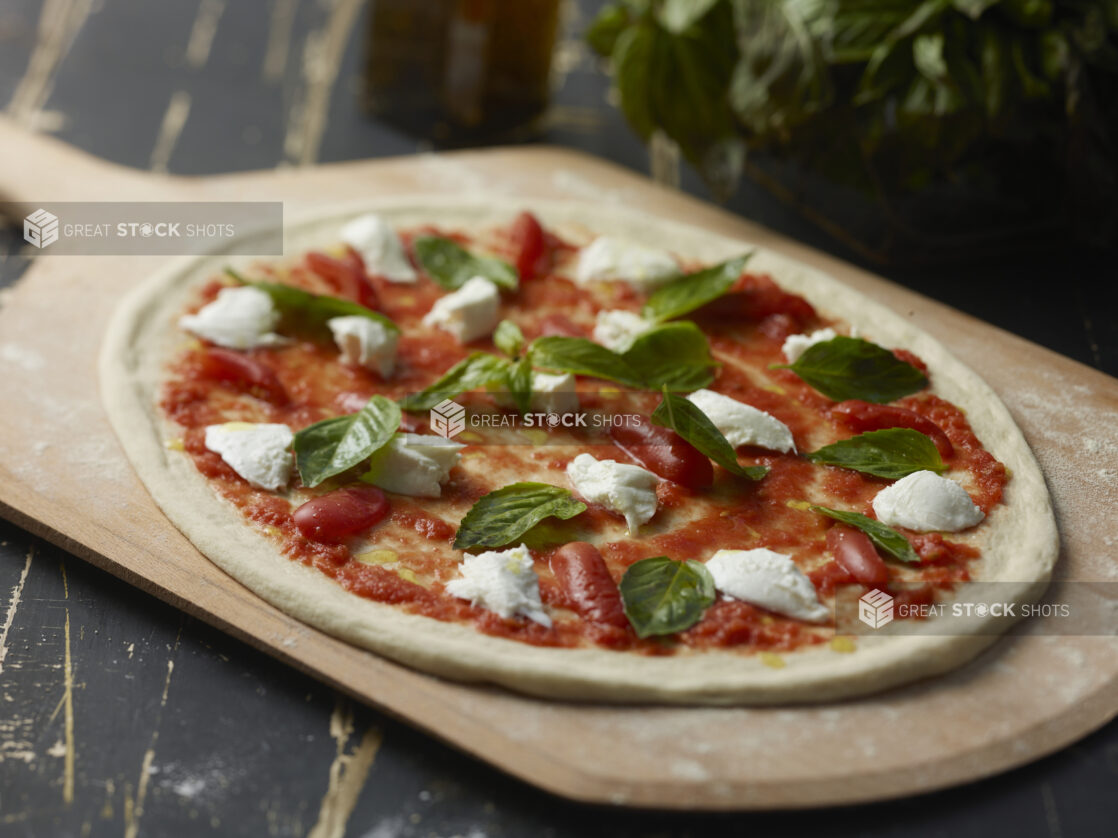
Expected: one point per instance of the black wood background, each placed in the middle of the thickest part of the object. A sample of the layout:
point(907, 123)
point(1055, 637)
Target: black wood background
point(174, 729)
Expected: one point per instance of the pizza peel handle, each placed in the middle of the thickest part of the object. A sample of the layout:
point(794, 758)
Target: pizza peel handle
point(40, 169)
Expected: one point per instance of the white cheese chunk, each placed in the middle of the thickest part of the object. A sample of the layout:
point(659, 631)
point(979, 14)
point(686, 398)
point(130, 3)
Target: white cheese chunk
point(629, 490)
point(796, 345)
point(468, 313)
point(257, 452)
point(380, 248)
point(365, 343)
point(501, 581)
point(926, 502)
point(553, 393)
point(743, 424)
point(767, 579)
point(240, 318)
point(414, 464)
point(617, 329)
point(608, 258)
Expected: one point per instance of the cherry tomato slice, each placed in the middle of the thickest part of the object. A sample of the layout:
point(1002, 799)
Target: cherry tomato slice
point(347, 276)
point(854, 552)
point(664, 452)
point(337, 515)
point(243, 372)
point(756, 298)
point(582, 574)
point(864, 416)
point(533, 253)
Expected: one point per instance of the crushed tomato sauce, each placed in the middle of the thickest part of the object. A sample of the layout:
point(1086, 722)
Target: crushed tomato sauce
point(731, 514)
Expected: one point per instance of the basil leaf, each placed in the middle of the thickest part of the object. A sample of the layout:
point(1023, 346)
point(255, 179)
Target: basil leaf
point(452, 266)
point(884, 538)
point(673, 355)
point(694, 290)
point(519, 380)
point(508, 338)
point(851, 368)
point(582, 357)
point(313, 309)
point(663, 596)
point(502, 516)
point(892, 453)
point(471, 373)
point(330, 447)
point(685, 418)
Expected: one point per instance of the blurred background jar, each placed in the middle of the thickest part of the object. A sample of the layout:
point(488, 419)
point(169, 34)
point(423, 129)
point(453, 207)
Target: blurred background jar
point(459, 71)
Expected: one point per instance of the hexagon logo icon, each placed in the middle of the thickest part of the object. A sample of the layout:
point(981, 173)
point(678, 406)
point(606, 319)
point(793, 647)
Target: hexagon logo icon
point(40, 228)
point(875, 609)
point(448, 419)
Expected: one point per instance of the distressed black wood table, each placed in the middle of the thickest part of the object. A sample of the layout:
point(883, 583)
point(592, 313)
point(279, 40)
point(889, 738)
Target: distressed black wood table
point(119, 715)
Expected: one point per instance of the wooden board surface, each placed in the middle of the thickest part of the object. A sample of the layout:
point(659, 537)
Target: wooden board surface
point(62, 475)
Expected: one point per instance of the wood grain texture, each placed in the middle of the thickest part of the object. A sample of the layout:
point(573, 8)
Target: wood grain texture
point(62, 475)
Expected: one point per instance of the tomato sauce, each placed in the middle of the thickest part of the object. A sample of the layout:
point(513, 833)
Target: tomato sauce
point(301, 382)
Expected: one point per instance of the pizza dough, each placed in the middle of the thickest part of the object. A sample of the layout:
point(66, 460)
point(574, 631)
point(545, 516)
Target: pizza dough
point(1019, 541)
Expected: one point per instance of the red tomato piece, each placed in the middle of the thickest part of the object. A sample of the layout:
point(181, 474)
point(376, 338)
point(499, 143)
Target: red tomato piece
point(533, 253)
point(243, 372)
point(582, 574)
point(756, 298)
point(335, 516)
point(911, 358)
point(854, 551)
point(664, 452)
point(346, 275)
point(863, 416)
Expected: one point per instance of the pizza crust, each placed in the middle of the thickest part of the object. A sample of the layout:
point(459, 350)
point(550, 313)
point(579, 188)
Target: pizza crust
point(1019, 541)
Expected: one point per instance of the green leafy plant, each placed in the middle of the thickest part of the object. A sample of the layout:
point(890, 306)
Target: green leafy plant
point(891, 96)
point(504, 515)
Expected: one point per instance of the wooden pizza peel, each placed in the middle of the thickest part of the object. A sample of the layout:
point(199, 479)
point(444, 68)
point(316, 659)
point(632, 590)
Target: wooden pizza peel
point(64, 477)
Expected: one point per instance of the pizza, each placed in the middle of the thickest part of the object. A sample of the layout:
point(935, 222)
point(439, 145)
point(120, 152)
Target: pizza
point(578, 452)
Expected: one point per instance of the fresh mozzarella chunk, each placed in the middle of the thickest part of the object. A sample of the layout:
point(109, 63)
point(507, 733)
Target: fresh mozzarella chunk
point(629, 490)
point(618, 329)
point(769, 580)
point(258, 453)
point(467, 313)
point(796, 345)
point(502, 581)
point(414, 464)
point(365, 343)
point(608, 258)
point(553, 393)
point(924, 502)
point(240, 318)
point(743, 424)
point(380, 248)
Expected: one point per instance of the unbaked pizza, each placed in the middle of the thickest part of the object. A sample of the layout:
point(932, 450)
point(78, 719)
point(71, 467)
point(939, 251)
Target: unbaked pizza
point(577, 452)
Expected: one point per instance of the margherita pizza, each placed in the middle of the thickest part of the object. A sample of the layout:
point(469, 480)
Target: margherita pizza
point(577, 452)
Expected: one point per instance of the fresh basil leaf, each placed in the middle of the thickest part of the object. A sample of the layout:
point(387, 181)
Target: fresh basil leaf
point(502, 516)
point(519, 380)
point(663, 596)
point(508, 338)
point(471, 373)
point(607, 27)
point(672, 355)
point(884, 538)
point(851, 368)
point(694, 290)
point(330, 447)
point(452, 266)
point(313, 309)
point(892, 453)
point(685, 418)
point(582, 357)
point(677, 16)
